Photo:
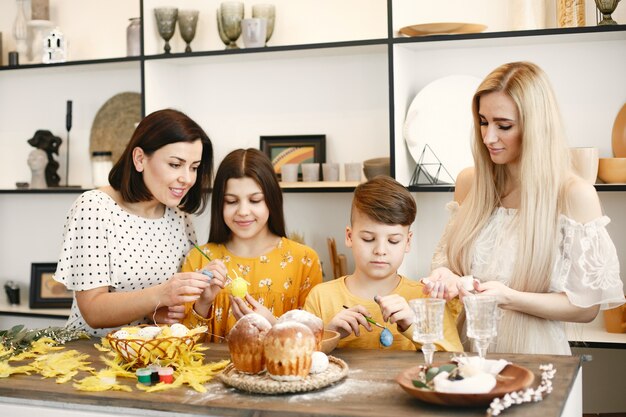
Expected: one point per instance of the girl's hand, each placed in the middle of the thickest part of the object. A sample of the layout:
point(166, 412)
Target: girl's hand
point(442, 283)
point(348, 321)
point(240, 308)
point(181, 288)
point(216, 273)
point(396, 310)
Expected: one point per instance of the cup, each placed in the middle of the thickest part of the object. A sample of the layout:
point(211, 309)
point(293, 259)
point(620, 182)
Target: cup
point(289, 173)
point(14, 59)
point(585, 163)
point(254, 31)
point(353, 171)
point(311, 172)
point(330, 171)
point(13, 293)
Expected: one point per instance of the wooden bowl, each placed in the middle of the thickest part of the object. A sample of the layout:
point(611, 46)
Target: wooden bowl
point(376, 166)
point(612, 170)
point(329, 341)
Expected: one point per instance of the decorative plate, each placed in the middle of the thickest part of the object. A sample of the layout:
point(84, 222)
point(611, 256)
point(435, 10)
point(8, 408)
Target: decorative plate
point(443, 28)
point(263, 384)
point(440, 116)
point(619, 134)
point(512, 378)
point(115, 123)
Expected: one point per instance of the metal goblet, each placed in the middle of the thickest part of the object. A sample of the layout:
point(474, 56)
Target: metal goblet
point(187, 22)
point(268, 12)
point(166, 24)
point(607, 7)
point(229, 16)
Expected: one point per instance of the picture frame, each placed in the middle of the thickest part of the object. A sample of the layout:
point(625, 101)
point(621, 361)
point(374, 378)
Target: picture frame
point(294, 149)
point(45, 292)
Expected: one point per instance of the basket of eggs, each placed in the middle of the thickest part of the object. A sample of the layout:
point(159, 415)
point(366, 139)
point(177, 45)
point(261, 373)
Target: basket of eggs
point(143, 345)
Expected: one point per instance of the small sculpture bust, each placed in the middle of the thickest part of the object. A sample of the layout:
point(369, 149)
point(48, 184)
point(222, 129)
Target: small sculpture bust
point(47, 142)
point(37, 161)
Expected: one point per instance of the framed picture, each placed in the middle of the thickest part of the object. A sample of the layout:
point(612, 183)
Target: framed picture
point(294, 150)
point(45, 292)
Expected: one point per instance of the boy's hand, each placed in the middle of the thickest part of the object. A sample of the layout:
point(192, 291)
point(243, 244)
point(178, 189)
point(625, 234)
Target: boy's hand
point(396, 310)
point(348, 321)
point(250, 305)
point(442, 283)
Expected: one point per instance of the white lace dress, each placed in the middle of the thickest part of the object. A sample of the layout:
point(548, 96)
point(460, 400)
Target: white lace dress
point(586, 270)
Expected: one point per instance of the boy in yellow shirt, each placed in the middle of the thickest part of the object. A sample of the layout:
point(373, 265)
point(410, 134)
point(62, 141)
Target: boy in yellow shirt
point(379, 235)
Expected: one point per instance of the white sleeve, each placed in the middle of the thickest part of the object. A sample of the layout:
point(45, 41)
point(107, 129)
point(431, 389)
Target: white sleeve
point(439, 257)
point(587, 269)
point(84, 262)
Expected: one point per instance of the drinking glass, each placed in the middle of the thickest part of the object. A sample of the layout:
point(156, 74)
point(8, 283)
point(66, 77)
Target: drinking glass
point(481, 320)
point(607, 7)
point(267, 11)
point(166, 23)
point(428, 324)
point(229, 17)
point(187, 22)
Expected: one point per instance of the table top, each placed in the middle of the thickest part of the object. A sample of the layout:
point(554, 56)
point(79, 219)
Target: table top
point(369, 390)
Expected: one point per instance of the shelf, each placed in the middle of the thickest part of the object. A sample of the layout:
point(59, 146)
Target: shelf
point(56, 190)
point(72, 63)
point(23, 310)
point(450, 188)
point(594, 335)
point(319, 186)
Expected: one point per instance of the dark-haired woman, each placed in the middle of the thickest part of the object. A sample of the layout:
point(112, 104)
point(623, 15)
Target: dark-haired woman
point(124, 243)
point(248, 236)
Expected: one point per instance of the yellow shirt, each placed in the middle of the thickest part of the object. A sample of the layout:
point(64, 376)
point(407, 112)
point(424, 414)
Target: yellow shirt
point(328, 299)
point(280, 280)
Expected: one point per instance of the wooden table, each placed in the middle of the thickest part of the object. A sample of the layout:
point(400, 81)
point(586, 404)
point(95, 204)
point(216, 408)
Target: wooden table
point(369, 390)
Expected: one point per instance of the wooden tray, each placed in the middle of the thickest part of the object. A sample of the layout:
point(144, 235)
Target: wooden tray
point(444, 28)
point(514, 378)
point(263, 384)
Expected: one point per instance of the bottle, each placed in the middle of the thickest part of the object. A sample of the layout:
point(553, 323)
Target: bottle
point(570, 13)
point(132, 37)
point(101, 165)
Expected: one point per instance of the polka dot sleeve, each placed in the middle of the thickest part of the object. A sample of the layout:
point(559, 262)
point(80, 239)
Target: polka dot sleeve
point(84, 260)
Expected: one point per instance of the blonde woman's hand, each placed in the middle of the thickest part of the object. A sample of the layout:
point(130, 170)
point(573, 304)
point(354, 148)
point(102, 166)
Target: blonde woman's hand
point(348, 321)
point(181, 288)
point(442, 283)
point(501, 292)
point(241, 307)
point(396, 310)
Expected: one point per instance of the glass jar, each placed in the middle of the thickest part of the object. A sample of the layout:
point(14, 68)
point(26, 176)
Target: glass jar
point(570, 13)
point(133, 37)
point(101, 165)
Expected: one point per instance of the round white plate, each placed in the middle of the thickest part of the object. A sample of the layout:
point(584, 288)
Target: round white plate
point(440, 116)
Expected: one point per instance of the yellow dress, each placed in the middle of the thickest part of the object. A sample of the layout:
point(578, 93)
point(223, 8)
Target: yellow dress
point(328, 299)
point(280, 280)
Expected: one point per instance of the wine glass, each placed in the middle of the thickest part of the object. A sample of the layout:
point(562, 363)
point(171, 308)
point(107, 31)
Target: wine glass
point(166, 24)
point(428, 324)
point(607, 7)
point(480, 312)
point(229, 16)
point(268, 12)
point(187, 21)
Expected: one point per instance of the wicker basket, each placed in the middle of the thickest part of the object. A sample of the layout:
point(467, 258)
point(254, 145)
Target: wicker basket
point(144, 352)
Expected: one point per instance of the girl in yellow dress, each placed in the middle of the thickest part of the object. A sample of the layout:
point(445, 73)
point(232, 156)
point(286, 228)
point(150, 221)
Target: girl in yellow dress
point(247, 240)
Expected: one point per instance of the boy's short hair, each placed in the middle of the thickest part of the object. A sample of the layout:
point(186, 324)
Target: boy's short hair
point(384, 200)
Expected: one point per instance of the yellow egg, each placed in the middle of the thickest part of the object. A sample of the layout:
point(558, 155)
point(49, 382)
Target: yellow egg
point(239, 287)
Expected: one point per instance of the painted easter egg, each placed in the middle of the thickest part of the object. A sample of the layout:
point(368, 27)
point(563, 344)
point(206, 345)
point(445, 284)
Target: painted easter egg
point(386, 338)
point(239, 287)
point(179, 330)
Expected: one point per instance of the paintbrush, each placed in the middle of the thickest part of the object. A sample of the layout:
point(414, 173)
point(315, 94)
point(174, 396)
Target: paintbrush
point(369, 319)
point(200, 250)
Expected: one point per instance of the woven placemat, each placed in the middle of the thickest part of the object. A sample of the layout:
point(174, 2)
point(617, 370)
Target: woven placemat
point(114, 124)
point(263, 384)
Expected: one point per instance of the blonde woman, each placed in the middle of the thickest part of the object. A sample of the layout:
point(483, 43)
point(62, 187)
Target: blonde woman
point(523, 224)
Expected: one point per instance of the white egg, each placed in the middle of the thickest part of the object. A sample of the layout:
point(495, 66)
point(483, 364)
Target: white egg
point(179, 330)
point(149, 332)
point(319, 362)
point(121, 334)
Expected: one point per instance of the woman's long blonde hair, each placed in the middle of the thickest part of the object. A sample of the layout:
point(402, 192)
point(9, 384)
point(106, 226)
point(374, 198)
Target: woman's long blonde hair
point(544, 167)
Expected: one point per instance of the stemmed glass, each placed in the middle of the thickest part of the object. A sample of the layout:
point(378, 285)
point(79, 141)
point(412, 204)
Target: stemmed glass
point(480, 312)
point(266, 11)
point(428, 324)
point(166, 24)
point(229, 16)
point(607, 7)
point(187, 21)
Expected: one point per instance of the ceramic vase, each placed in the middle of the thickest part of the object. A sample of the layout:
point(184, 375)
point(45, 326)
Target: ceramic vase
point(585, 163)
point(20, 31)
point(528, 14)
point(39, 30)
point(133, 37)
point(570, 13)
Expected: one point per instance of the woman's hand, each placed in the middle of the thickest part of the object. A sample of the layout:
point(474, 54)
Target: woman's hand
point(169, 315)
point(501, 292)
point(181, 288)
point(396, 310)
point(240, 308)
point(348, 321)
point(442, 283)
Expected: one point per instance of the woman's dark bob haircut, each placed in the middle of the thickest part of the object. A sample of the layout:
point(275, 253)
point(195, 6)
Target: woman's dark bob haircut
point(155, 131)
point(251, 163)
